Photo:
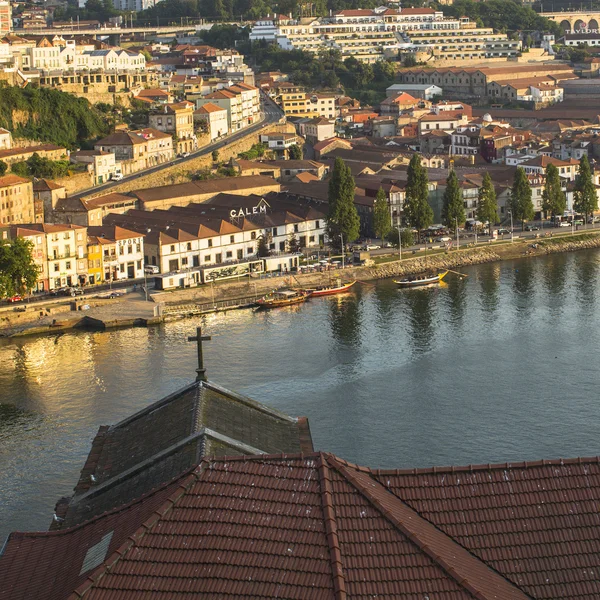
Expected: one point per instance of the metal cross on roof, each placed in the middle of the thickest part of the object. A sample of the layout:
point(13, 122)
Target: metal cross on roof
point(199, 338)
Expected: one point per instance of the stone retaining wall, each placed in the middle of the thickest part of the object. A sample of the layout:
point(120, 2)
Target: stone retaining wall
point(182, 172)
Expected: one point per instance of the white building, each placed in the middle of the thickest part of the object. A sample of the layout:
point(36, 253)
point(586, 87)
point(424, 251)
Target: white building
point(215, 118)
point(417, 90)
point(123, 251)
point(241, 101)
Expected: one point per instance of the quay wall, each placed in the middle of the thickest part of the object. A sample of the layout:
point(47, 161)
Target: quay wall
point(34, 319)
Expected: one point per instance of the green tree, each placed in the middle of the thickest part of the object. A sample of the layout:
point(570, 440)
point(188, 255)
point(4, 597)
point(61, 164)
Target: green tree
point(487, 204)
point(453, 209)
point(262, 248)
point(409, 61)
point(342, 217)
point(3, 168)
point(295, 152)
point(384, 70)
point(585, 198)
point(293, 243)
point(417, 211)
point(215, 156)
point(520, 198)
point(554, 200)
point(18, 271)
point(382, 218)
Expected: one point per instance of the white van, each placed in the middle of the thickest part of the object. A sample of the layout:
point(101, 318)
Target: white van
point(151, 269)
point(117, 176)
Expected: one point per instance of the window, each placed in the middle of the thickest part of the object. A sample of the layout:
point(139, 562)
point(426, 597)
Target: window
point(274, 230)
point(184, 260)
point(229, 254)
point(232, 239)
point(317, 224)
point(172, 248)
point(122, 268)
point(68, 264)
point(121, 250)
point(129, 249)
point(138, 247)
point(56, 268)
point(189, 245)
point(207, 258)
point(210, 243)
point(250, 250)
point(253, 235)
point(240, 254)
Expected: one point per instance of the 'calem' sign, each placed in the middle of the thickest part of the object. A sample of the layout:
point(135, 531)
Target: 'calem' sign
point(247, 212)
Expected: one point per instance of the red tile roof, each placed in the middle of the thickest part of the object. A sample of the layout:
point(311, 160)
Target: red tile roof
point(315, 526)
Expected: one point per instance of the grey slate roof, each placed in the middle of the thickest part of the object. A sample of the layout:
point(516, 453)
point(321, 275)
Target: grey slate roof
point(170, 437)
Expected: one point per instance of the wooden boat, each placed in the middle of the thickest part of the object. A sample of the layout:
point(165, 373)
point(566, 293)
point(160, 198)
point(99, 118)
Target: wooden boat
point(419, 281)
point(328, 290)
point(283, 298)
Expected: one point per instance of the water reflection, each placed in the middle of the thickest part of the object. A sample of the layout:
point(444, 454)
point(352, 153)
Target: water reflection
point(456, 290)
point(345, 319)
point(586, 269)
point(488, 277)
point(523, 286)
point(420, 304)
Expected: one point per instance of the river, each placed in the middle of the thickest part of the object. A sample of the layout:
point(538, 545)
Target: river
point(499, 366)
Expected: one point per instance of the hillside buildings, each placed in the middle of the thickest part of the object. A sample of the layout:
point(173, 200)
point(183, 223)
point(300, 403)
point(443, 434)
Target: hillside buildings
point(371, 34)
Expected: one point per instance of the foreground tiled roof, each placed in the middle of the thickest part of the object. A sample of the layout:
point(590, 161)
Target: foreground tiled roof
point(297, 527)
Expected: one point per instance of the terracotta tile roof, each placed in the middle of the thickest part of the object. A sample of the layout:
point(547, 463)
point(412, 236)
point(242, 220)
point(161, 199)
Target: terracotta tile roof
point(209, 107)
point(198, 188)
point(56, 558)
point(9, 180)
point(113, 232)
point(315, 527)
point(29, 150)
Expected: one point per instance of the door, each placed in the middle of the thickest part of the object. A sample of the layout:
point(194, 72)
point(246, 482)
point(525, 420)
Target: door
point(130, 270)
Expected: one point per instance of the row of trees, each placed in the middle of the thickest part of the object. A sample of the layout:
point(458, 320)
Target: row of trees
point(554, 201)
point(343, 223)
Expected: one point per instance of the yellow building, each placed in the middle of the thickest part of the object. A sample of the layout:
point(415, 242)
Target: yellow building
point(95, 269)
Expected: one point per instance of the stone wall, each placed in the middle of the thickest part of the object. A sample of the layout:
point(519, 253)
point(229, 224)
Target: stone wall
point(183, 172)
point(76, 182)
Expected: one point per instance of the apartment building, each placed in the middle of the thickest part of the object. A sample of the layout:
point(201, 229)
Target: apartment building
point(16, 200)
point(122, 252)
point(369, 35)
point(241, 101)
point(66, 253)
point(302, 104)
point(463, 44)
point(215, 118)
point(58, 54)
point(178, 120)
point(39, 250)
point(137, 150)
point(5, 17)
point(102, 164)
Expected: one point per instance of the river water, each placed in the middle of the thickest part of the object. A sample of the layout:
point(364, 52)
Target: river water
point(500, 366)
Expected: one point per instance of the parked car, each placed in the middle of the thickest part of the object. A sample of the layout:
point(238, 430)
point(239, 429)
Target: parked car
point(563, 224)
point(116, 176)
point(15, 298)
point(532, 228)
point(503, 231)
point(151, 269)
point(77, 291)
point(371, 247)
point(444, 238)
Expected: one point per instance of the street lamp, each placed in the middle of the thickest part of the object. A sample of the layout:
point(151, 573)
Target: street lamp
point(342, 241)
point(457, 240)
point(511, 227)
point(146, 284)
point(399, 243)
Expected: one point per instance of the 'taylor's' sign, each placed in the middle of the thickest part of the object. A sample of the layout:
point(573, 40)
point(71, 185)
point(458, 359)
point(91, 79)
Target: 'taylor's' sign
point(246, 212)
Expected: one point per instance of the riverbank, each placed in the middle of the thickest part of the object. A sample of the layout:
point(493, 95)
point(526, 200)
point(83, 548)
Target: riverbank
point(132, 311)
